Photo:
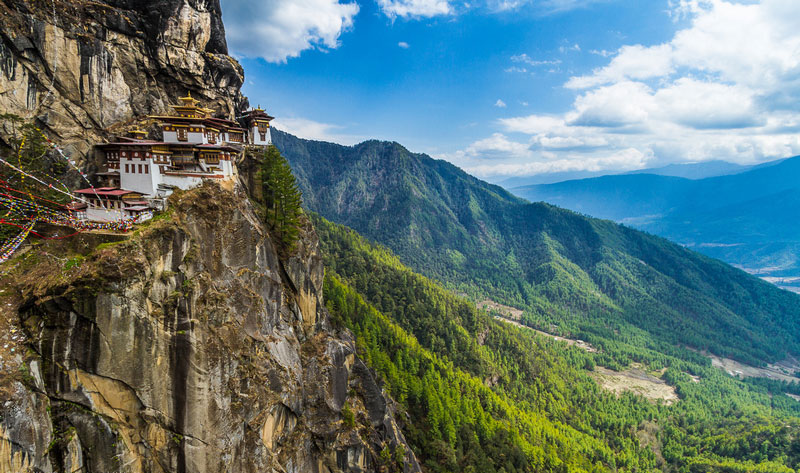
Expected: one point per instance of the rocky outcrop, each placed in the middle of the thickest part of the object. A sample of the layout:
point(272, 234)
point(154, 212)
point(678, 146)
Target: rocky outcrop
point(191, 347)
point(79, 68)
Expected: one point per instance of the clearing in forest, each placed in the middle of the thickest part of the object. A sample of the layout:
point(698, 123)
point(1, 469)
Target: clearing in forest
point(637, 381)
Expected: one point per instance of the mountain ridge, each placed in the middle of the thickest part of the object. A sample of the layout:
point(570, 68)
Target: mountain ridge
point(481, 240)
point(715, 215)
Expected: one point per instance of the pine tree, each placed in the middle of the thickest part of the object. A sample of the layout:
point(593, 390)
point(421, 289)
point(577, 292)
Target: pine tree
point(282, 197)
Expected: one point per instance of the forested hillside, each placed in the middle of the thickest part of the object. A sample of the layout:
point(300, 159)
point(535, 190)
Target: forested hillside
point(485, 396)
point(571, 274)
point(742, 218)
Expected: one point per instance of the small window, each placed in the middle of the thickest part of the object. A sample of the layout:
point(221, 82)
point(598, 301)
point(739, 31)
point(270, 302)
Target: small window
point(147, 169)
point(182, 134)
point(140, 169)
point(127, 170)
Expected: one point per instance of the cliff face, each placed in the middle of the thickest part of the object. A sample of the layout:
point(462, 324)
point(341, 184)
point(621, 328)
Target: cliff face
point(190, 347)
point(80, 67)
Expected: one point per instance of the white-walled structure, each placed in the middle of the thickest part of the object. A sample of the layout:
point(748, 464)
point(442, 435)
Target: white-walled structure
point(195, 147)
point(258, 128)
point(107, 204)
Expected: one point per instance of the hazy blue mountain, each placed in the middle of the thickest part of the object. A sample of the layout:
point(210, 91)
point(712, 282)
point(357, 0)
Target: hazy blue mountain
point(696, 170)
point(746, 219)
point(545, 178)
point(687, 170)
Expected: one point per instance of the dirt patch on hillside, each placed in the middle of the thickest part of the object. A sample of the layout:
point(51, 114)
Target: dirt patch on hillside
point(504, 310)
point(578, 343)
point(637, 381)
point(782, 371)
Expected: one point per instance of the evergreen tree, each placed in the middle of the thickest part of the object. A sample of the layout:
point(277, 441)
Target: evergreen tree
point(282, 197)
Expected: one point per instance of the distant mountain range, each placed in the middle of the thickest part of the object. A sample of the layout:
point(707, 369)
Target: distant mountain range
point(570, 273)
point(687, 170)
point(748, 219)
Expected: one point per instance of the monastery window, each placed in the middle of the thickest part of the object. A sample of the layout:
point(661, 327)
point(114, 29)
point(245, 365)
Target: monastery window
point(127, 170)
point(140, 169)
point(182, 134)
point(147, 169)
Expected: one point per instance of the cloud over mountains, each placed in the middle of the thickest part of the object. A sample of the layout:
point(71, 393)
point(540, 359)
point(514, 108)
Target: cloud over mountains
point(724, 87)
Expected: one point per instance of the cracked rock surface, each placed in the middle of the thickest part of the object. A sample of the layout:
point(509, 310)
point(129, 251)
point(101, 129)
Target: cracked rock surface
point(192, 346)
point(81, 69)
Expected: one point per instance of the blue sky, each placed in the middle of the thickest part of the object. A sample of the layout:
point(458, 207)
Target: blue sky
point(512, 87)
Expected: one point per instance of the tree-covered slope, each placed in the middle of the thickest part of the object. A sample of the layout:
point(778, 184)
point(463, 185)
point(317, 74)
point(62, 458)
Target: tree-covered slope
point(584, 276)
point(482, 395)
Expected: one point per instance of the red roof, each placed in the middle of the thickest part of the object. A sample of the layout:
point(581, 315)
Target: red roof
point(105, 191)
point(75, 206)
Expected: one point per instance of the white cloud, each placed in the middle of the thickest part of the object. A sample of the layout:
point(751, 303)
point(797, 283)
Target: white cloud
point(525, 59)
point(415, 8)
point(313, 130)
point(403, 45)
point(497, 145)
point(632, 62)
point(707, 105)
point(621, 104)
point(547, 7)
point(280, 29)
point(725, 86)
point(500, 104)
point(569, 47)
point(601, 52)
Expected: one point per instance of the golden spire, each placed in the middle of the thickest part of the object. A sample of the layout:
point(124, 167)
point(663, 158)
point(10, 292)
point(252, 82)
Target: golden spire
point(188, 101)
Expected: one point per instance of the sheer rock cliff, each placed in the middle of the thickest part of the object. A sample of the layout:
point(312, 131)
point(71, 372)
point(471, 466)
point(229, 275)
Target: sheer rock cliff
point(82, 69)
point(192, 346)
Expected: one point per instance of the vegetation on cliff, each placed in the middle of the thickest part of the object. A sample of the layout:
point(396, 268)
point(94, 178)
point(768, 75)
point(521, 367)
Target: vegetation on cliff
point(282, 199)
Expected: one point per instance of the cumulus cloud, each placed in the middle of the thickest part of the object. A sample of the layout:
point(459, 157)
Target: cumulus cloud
point(726, 86)
point(632, 62)
point(403, 45)
point(280, 29)
point(500, 104)
point(415, 8)
point(314, 130)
